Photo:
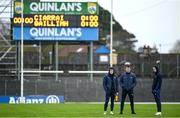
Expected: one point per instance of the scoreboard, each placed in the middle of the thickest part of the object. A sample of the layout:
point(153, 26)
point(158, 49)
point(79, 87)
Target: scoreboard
point(59, 21)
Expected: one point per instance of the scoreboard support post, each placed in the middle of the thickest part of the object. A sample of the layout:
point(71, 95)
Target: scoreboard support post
point(40, 57)
point(91, 60)
point(18, 60)
point(56, 58)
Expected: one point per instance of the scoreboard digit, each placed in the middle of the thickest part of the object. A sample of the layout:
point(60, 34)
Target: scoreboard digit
point(89, 21)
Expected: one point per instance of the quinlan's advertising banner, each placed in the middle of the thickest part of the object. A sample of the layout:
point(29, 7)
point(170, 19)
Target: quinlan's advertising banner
point(56, 34)
point(37, 7)
point(33, 99)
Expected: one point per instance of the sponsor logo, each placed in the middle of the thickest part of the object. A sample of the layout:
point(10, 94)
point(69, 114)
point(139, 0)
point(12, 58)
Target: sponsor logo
point(63, 34)
point(50, 32)
point(55, 7)
point(18, 100)
point(52, 99)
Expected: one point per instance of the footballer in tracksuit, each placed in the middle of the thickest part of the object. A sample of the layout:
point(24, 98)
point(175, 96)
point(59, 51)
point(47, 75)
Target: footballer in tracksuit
point(127, 83)
point(156, 88)
point(110, 85)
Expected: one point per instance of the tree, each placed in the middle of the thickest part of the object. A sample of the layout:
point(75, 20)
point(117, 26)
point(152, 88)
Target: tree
point(123, 41)
point(176, 47)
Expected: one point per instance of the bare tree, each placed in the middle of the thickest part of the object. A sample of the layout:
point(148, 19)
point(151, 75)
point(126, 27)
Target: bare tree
point(176, 47)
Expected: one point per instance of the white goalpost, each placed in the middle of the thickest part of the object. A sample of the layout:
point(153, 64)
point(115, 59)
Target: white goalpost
point(87, 72)
point(42, 71)
point(23, 71)
point(22, 50)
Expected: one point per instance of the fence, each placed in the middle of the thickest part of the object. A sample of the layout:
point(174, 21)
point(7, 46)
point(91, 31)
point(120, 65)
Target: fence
point(82, 89)
point(142, 66)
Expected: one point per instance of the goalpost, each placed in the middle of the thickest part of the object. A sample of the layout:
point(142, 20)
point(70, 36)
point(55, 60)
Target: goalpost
point(22, 71)
point(42, 71)
point(22, 50)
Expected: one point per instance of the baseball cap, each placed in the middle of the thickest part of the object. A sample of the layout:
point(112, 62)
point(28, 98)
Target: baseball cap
point(127, 63)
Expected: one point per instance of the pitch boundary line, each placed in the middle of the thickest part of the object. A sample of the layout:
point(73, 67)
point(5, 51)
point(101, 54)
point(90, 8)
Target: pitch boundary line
point(119, 103)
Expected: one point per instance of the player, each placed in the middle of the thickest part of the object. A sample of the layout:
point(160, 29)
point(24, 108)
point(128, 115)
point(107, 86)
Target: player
point(127, 83)
point(156, 88)
point(110, 85)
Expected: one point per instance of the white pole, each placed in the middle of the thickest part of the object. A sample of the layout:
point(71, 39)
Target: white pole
point(111, 33)
point(87, 72)
point(40, 71)
point(22, 44)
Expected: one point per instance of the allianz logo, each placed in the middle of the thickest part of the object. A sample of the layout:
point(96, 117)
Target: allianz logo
point(51, 99)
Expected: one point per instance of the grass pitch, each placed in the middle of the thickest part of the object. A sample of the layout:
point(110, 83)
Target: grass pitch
point(84, 110)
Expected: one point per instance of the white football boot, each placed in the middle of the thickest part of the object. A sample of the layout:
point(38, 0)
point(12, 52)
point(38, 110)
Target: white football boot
point(111, 113)
point(158, 114)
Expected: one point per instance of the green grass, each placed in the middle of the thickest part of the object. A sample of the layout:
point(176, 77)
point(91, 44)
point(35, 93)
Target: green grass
point(83, 110)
